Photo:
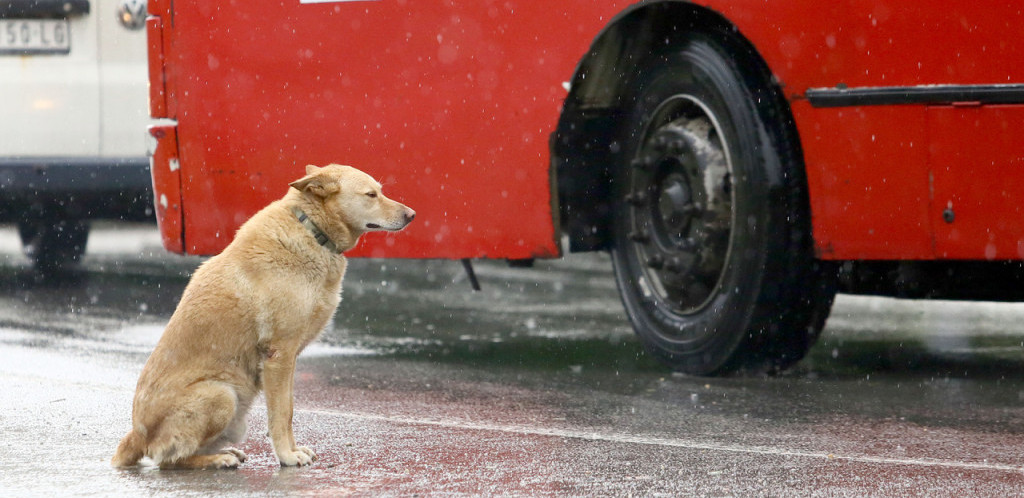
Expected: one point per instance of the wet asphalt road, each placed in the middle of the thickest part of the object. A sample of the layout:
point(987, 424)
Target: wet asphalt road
point(535, 386)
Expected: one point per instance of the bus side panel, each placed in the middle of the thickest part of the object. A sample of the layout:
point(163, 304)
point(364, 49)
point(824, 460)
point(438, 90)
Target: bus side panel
point(977, 158)
point(451, 105)
point(869, 43)
point(448, 105)
point(868, 181)
point(868, 168)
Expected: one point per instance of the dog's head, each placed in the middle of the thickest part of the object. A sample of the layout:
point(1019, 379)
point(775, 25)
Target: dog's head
point(353, 198)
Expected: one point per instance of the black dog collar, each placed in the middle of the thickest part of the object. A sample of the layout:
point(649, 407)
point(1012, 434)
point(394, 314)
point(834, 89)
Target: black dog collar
point(319, 235)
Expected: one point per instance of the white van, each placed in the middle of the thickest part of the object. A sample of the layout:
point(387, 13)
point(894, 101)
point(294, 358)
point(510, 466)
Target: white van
point(73, 87)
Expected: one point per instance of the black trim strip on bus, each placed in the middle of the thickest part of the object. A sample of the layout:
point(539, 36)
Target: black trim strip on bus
point(906, 95)
point(43, 9)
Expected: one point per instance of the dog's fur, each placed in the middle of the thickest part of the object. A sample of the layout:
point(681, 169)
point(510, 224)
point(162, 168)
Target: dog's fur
point(242, 320)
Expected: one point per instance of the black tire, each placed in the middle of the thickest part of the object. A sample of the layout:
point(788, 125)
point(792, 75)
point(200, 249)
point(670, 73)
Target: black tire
point(54, 246)
point(712, 249)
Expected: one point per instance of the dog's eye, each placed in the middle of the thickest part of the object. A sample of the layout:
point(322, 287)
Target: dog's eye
point(372, 195)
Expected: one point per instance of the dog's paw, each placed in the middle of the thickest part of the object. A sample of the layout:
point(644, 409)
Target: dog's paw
point(227, 460)
point(307, 451)
point(300, 456)
point(239, 454)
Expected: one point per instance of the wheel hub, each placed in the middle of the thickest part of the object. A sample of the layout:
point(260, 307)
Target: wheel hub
point(675, 203)
point(681, 211)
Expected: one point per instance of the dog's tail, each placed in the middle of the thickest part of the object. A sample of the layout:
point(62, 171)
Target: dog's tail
point(130, 451)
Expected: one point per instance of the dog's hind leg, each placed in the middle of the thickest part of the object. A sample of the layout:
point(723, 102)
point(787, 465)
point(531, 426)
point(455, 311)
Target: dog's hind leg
point(225, 460)
point(234, 433)
point(191, 436)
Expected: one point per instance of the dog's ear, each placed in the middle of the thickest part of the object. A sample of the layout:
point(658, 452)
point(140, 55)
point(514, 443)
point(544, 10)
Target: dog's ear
point(315, 184)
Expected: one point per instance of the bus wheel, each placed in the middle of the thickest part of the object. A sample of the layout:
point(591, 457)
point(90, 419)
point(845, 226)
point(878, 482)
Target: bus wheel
point(712, 248)
point(53, 246)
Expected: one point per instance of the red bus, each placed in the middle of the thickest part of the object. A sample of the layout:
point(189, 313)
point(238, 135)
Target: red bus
point(742, 160)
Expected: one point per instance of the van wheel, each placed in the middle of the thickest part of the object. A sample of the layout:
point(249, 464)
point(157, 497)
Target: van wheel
point(53, 246)
point(712, 247)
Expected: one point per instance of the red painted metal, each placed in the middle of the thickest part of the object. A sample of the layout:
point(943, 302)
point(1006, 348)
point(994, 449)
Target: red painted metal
point(155, 56)
point(167, 186)
point(869, 168)
point(450, 104)
point(977, 160)
point(868, 180)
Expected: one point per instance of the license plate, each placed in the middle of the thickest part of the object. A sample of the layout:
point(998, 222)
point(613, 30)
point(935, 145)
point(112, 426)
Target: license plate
point(35, 36)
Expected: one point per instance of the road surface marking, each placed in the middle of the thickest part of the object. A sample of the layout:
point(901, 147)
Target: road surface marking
point(657, 441)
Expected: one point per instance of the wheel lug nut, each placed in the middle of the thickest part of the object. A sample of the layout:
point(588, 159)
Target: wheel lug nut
point(636, 198)
point(674, 264)
point(639, 236)
point(656, 261)
point(641, 163)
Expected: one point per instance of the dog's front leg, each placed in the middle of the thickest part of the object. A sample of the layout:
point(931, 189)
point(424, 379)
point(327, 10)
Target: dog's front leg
point(278, 383)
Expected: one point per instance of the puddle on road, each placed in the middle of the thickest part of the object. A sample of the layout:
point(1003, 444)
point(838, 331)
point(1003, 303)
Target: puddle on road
point(554, 316)
point(914, 339)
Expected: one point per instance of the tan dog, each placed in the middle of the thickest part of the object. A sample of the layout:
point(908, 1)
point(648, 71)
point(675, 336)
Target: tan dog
point(245, 316)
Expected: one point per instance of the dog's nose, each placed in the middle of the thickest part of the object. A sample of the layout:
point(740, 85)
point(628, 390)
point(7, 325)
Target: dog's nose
point(409, 215)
